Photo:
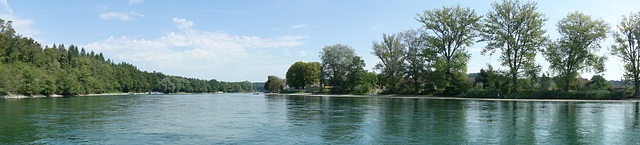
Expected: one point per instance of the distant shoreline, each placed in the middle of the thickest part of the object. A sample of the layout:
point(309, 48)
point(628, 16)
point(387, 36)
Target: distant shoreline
point(452, 98)
point(58, 96)
point(13, 96)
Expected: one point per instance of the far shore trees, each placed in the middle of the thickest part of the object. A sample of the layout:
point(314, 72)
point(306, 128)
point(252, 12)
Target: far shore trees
point(627, 38)
point(274, 84)
point(515, 29)
point(391, 53)
point(575, 50)
point(405, 62)
point(301, 74)
point(341, 68)
point(28, 68)
point(453, 29)
point(416, 62)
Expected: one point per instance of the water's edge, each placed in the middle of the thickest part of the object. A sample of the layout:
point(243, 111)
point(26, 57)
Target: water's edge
point(454, 98)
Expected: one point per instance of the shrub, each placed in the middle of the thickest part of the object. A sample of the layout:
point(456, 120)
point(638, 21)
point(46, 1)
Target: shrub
point(3, 92)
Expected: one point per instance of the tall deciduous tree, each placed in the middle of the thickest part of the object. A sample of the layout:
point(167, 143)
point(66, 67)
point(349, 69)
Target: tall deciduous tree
point(416, 59)
point(515, 29)
point(301, 74)
point(312, 71)
point(391, 53)
point(295, 75)
point(274, 84)
point(627, 38)
point(575, 50)
point(339, 62)
point(453, 29)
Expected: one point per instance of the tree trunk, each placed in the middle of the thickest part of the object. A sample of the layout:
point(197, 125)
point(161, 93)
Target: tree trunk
point(568, 82)
point(636, 84)
point(514, 81)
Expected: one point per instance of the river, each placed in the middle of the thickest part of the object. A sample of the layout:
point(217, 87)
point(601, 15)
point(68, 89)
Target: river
point(259, 119)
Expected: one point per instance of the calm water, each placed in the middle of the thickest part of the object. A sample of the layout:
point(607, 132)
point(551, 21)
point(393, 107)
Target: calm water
point(257, 119)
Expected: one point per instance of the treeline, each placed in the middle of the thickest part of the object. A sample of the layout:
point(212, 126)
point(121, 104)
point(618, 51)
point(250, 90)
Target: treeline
point(28, 68)
point(340, 72)
point(433, 59)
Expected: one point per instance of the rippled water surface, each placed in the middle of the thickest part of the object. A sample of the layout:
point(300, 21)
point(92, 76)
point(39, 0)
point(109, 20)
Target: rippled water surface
point(258, 119)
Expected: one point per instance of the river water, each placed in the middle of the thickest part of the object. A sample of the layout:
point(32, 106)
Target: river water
point(259, 119)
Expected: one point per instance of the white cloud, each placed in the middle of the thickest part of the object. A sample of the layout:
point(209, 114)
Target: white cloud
point(119, 15)
point(192, 52)
point(135, 2)
point(299, 26)
point(183, 24)
point(136, 14)
point(22, 26)
point(116, 15)
point(5, 6)
point(303, 53)
point(376, 27)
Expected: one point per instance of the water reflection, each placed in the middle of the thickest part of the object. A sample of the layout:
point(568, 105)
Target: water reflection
point(337, 120)
point(251, 119)
point(43, 120)
point(415, 120)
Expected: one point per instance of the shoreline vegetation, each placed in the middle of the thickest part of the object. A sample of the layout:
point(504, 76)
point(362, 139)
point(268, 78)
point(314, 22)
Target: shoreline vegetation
point(13, 96)
point(432, 60)
point(410, 96)
point(30, 70)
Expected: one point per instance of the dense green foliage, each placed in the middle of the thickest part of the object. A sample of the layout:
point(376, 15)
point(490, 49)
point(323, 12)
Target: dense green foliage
point(392, 55)
point(342, 69)
point(301, 74)
point(575, 50)
point(515, 29)
point(28, 68)
point(406, 63)
point(598, 82)
point(274, 84)
point(627, 38)
point(433, 59)
point(452, 30)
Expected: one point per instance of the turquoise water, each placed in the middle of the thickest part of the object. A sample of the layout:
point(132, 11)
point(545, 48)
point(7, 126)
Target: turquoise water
point(259, 119)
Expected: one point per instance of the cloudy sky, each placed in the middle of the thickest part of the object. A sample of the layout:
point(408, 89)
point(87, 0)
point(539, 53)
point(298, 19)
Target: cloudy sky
point(248, 40)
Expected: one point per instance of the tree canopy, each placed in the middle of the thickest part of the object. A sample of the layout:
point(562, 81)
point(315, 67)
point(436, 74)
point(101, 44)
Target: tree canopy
point(341, 68)
point(515, 29)
point(301, 74)
point(627, 38)
point(575, 50)
point(391, 53)
point(274, 84)
point(453, 29)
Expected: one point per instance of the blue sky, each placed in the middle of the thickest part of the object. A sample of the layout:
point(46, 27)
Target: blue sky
point(248, 40)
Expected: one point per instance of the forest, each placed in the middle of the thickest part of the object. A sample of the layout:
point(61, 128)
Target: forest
point(28, 68)
point(433, 59)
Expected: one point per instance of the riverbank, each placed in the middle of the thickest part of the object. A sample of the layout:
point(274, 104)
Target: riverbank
point(13, 96)
point(27, 96)
point(455, 98)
